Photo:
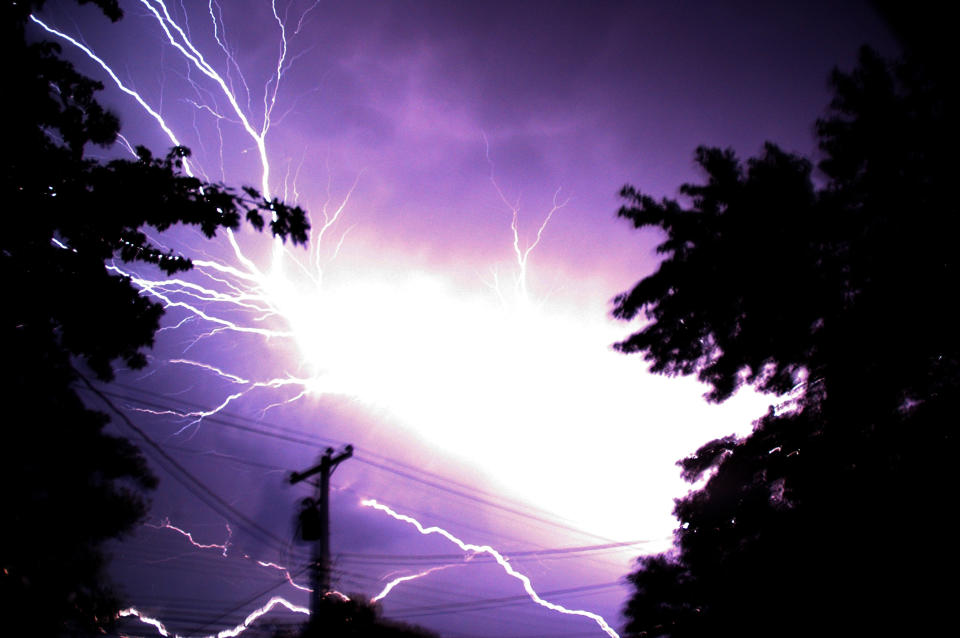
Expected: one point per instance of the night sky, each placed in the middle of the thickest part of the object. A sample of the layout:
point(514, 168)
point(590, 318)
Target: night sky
point(461, 162)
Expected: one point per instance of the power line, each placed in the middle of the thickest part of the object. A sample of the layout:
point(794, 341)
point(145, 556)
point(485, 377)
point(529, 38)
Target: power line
point(408, 472)
point(286, 435)
point(444, 557)
point(492, 603)
point(184, 476)
point(435, 609)
point(248, 601)
point(478, 499)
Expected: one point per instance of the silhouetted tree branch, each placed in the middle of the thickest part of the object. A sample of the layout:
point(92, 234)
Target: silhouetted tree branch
point(827, 519)
point(68, 487)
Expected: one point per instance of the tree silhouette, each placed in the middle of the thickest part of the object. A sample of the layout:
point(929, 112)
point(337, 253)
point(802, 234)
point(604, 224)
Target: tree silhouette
point(830, 518)
point(67, 486)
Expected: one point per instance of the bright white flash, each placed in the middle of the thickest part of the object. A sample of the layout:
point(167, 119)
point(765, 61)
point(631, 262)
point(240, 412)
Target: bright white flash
point(461, 367)
point(439, 348)
point(466, 370)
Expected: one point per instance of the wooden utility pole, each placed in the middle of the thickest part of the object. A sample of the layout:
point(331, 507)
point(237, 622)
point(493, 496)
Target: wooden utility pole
point(320, 567)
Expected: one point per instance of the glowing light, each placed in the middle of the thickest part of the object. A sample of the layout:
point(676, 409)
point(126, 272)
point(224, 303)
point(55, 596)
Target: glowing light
point(343, 597)
point(501, 560)
point(225, 633)
point(497, 365)
point(405, 579)
point(338, 333)
point(113, 76)
point(522, 254)
point(288, 576)
point(179, 40)
point(494, 363)
point(442, 348)
point(166, 524)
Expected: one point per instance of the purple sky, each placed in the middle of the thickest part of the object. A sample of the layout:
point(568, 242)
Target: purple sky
point(476, 381)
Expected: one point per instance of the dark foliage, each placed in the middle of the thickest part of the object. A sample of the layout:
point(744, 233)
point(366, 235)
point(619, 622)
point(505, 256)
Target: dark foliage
point(67, 486)
point(831, 517)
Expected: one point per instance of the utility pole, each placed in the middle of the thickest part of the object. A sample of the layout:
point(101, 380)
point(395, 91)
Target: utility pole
point(320, 567)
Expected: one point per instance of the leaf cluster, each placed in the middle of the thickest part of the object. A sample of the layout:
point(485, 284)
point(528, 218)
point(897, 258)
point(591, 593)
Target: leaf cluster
point(68, 486)
point(825, 519)
point(739, 260)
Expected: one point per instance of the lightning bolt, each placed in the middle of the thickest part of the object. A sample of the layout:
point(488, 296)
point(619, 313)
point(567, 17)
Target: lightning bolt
point(404, 579)
point(521, 252)
point(113, 76)
point(247, 299)
point(501, 560)
point(288, 576)
point(179, 39)
point(166, 524)
point(251, 618)
point(246, 289)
